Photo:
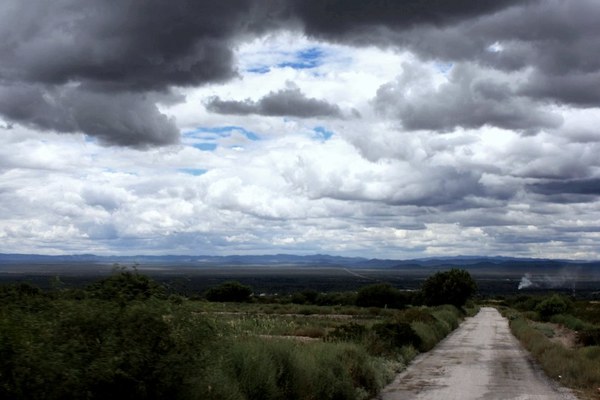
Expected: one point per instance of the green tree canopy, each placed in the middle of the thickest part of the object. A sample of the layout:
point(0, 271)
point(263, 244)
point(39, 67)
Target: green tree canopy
point(381, 295)
point(231, 291)
point(124, 285)
point(448, 287)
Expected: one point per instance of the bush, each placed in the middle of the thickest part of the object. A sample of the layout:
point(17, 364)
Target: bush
point(446, 319)
point(420, 314)
point(336, 298)
point(96, 349)
point(351, 332)
point(571, 322)
point(307, 296)
point(229, 292)
point(282, 370)
point(453, 287)
point(589, 337)
point(578, 368)
point(125, 286)
point(381, 295)
point(397, 335)
point(553, 305)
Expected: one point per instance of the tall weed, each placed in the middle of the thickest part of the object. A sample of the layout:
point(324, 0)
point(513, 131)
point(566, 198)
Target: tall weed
point(577, 368)
point(278, 370)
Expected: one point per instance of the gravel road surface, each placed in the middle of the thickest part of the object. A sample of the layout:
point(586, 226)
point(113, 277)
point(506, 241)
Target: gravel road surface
point(479, 360)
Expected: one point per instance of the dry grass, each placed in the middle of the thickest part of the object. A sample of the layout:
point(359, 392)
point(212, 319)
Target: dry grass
point(577, 368)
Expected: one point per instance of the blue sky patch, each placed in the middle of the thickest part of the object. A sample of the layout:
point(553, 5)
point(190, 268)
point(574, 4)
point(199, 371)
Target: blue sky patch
point(220, 132)
point(192, 171)
point(205, 146)
point(209, 138)
point(261, 69)
point(444, 67)
point(322, 133)
point(305, 59)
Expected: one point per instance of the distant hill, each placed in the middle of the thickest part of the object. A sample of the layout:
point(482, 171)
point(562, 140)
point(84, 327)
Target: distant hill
point(471, 263)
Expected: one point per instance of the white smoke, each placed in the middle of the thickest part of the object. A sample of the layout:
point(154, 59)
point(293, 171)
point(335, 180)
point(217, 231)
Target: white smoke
point(564, 279)
point(526, 282)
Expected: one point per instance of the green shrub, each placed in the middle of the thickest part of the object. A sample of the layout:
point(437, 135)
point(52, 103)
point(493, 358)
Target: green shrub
point(307, 296)
point(351, 332)
point(589, 337)
point(94, 348)
point(229, 292)
point(524, 302)
point(449, 315)
point(578, 368)
point(381, 295)
point(532, 315)
point(552, 305)
point(417, 314)
point(125, 286)
point(384, 338)
point(335, 298)
point(571, 322)
point(278, 370)
point(427, 333)
point(446, 319)
point(397, 335)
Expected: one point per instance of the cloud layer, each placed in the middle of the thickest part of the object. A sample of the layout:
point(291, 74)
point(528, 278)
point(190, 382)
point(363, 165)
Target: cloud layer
point(391, 129)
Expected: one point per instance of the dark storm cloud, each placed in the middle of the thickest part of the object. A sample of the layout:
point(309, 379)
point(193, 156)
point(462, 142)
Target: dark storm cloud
point(83, 65)
point(466, 100)
point(119, 118)
point(286, 102)
point(115, 57)
point(580, 89)
point(567, 191)
point(357, 20)
point(126, 44)
point(587, 187)
point(444, 186)
point(556, 41)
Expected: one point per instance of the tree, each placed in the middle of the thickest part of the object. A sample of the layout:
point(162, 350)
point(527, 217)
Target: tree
point(381, 295)
point(124, 286)
point(307, 296)
point(232, 291)
point(448, 287)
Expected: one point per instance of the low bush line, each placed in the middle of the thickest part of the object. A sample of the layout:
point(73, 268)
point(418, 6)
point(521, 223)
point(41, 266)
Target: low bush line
point(577, 368)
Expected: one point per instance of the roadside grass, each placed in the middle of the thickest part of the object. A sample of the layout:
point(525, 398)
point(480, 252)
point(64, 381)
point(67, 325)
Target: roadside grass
point(577, 368)
point(278, 370)
point(288, 308)
point(358, 353)
point(571, 322)
point(431, 331)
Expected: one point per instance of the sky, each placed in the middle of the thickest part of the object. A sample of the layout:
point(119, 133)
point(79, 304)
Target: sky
point(359, 128)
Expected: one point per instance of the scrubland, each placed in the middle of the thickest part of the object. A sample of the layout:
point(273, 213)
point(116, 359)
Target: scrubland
point(127, 335)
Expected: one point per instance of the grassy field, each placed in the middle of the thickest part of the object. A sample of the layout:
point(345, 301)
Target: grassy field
point(127, 335)
point(562, 335)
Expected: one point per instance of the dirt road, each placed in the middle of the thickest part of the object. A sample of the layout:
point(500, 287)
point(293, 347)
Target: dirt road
point(480, 360)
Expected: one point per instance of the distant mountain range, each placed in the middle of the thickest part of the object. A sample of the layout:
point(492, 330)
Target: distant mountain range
point(468, 262)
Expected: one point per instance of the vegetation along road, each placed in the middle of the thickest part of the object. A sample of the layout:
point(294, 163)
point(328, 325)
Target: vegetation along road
point(480, 360)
